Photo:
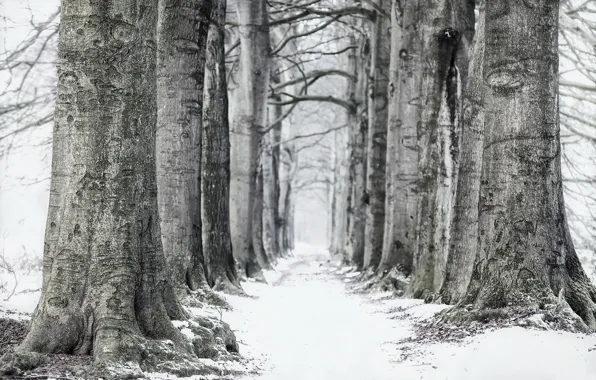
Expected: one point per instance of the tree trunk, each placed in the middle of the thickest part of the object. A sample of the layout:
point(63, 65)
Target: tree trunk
point(257, 214)
point(249, 119)
point(401, 173)
point(105, 284)
point(269, 199)
point(180, 73)
point(377, 135)
point(464, 235)
point(215, 162)
point(445, 51)
point(340, 191)
point(526, 257)
point(358, 121)
point(276, 190)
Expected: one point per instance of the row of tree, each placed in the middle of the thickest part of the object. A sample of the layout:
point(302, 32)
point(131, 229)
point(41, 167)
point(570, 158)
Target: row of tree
point(453, 174)
point(139, 210)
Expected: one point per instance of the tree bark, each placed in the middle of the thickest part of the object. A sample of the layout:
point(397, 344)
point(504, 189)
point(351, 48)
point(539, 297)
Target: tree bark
point(377, 135)
point(180, 76)
point(445, 52)
point(402, 152)
point(358, 122)
point(257, 214)
point(249, 120)
point(215, 162)
point(526, 257)
point(106, 289)
point(464, 235)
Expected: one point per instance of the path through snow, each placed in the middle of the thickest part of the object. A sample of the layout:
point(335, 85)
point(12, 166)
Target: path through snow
point(306, 325)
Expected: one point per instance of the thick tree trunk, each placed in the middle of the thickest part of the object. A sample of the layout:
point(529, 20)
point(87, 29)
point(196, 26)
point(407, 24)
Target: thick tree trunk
point(377, 135)
point(445, 51)
point(249, 120)
point(401, 173)
point(526, 257)
point(358, 122)
point(105, 284)
point(215, 162)
point(180, 73)
point(464, 230)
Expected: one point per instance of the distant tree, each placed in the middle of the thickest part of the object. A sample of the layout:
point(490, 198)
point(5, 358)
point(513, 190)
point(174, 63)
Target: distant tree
point(248, 123)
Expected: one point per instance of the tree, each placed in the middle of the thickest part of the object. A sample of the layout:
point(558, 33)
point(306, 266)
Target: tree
point(358, 124)
point(106, 289)
point(444, 63)
point(401, 176)
point(249, 120)
point(525, 257)
point(215, 162)
point(464, 231)
point(181, 38)
point(377, 134)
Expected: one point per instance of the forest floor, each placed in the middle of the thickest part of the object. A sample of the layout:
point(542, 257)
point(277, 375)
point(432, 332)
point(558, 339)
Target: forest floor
point(311, 322)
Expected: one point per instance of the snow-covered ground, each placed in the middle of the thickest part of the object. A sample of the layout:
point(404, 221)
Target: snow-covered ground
point(306, 325)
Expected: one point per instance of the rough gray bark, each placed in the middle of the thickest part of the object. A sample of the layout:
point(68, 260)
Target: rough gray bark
point(401, 173)
point(464, 235)
point(270, 199)
point(526, 257)
point(377, 134)
point(257, 214)
point(286, 206)
point(358, 122)
point(249, 120)
point(444, 73)
point(276, 188)
point(340, 191)
point(215, 162)
point(180, 75)
point(106, 290)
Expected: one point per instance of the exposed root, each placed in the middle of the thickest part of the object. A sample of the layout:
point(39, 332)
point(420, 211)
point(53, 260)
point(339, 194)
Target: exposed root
point(549, 317)
point(15, 363)
point(223, 284)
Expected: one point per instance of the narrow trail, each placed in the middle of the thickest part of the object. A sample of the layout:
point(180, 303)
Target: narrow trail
point(310, 327)
point(307, 325)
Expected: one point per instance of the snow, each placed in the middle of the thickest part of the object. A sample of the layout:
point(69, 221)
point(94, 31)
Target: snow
point(305, 324)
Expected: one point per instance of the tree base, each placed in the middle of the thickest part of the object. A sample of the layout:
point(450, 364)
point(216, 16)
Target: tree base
point(550, 317)
point(131, 355)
